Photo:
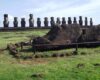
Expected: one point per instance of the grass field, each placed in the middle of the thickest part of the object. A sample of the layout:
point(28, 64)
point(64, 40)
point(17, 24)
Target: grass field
point(79, 67)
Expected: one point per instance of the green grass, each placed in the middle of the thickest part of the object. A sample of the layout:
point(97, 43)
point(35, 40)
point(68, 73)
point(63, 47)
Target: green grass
point(50, 68)
point(13, 37)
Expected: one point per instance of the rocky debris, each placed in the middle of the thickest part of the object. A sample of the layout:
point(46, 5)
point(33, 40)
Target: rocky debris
point(17, 45)
point(58, 35)
point(67, 34)
point(74, 52)
point(62, 55)
point(55, 55)
point(80, 65)
point(13, 49)
point(37, 56)
point(68, 54)
point(97, 64)
point(37, 75)
point(41, 40)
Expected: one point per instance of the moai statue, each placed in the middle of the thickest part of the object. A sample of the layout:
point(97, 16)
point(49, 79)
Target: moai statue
point(38, 22)
point(46, 22)
point(58, 21)
point(75, 21)
point(31, 20)
point(91, 22)
point(23, 22)
point(63, 20)
point(52, 22)
point(80, 20)
point(15, 22)
point(69, 20)
point(86, 21)
point(6, 22)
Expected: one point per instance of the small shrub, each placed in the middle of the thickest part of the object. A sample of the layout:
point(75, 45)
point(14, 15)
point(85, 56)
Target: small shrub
point(37, 56)
point(46, 55)
point(97, 64)
point(83, 53)
point(75, 53)
point(55, 55)
point(68, 54)
point(41, 56)
point(38, 75)
point(80, 65)
point(62, 55)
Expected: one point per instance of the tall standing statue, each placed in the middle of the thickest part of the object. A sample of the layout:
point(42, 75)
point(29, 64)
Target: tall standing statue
point(31, 20)
point(75, 21)
point(23, 22)
point(69, 20)
point(58, 20)
point(80, 20)
point(91, 22)
point(38, 22)
point(86, 21)
point(52, 22)
point(15, 22)
point(46, 22)
point(6, 22)
point(63, 20)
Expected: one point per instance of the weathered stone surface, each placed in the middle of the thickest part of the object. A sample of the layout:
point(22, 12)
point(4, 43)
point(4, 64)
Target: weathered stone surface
point(75, 21)
point(46, 22)
point(52, 22)
point(23, 22)
point(41, 40)
point(90, 34)
point(67, 34)
point(86, 21)
point(91, 22)
point(58, 20)
point(6, 22)
point(80, 20)
point(38, 22)
point(15, 22)
point(63, 20)
point(60, 35)
point(69, 20)
point(31, 20)
point(13, 50)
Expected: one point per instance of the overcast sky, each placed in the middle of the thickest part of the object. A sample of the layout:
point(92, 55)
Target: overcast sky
point(56, 8)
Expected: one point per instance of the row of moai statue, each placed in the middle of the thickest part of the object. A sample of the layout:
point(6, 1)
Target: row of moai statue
point(46, 22)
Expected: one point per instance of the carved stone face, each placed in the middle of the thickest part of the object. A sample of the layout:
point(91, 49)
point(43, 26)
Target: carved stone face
point(31, 16)
point(80, 17)
point(74, 18)
point(15, 19)
point(52, 18)
point(63, 19)
point(45, 19)
point(6, 19)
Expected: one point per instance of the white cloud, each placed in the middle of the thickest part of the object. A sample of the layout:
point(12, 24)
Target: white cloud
point(47, 6)
point(52, 8)
point(78, 9)
point(10, 17)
